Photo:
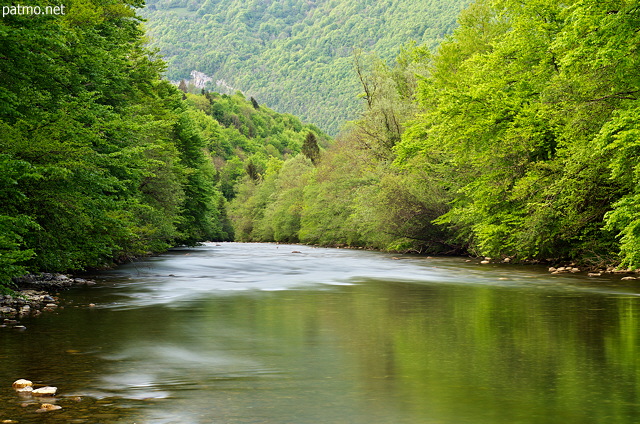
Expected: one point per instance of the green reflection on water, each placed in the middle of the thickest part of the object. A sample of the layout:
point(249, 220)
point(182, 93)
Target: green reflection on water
point(374, 352)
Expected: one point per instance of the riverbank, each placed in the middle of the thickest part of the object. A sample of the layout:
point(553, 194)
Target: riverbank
point(35, 294)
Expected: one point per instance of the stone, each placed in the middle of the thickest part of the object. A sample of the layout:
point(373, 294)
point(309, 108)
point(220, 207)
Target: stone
point(48, 407)
point(594, 274)
point(553, 269)
point(506, 260)
point(574, 270)
point(45, 391)
point(22, 383)
point(485, 262)
point(629, 278)
point(25, 391)
point(7, 310)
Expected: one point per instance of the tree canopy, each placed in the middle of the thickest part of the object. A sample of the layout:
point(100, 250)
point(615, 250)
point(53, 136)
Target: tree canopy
point(295, 55)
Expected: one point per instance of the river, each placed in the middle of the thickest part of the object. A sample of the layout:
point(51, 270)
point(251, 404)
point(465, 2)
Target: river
point(254, 333)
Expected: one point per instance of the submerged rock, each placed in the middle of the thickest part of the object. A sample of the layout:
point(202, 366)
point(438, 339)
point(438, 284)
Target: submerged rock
point(48, 407)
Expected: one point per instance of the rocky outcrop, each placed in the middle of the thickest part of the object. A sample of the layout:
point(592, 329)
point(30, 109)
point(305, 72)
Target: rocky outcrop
point(34, 296)
point(50, 281)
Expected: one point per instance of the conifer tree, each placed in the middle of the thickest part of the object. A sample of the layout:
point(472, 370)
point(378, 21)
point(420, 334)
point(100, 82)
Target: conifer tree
point(310, 147)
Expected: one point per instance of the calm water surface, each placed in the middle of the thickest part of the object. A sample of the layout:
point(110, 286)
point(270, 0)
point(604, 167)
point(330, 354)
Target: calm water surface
point(253, 333)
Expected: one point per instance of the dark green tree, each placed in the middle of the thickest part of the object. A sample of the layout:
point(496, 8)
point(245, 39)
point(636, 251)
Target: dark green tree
point(310, 147)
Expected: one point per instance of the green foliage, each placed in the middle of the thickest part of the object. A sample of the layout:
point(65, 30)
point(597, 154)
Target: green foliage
point(519, 139)
point(99, 159)
point(520, 109)
point(310, 147)
point(296, 55)
point(352, 195)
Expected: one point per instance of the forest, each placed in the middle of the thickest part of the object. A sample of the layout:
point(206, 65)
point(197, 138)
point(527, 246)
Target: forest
point(294, 55)
point(101, 159)
point(517, 137)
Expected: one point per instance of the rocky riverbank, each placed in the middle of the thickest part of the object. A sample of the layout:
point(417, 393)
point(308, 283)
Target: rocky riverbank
point(35, 294)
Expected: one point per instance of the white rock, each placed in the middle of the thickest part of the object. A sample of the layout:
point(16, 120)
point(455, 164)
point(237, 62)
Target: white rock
point(25, 390)
point(22, 383)
point(45, 391)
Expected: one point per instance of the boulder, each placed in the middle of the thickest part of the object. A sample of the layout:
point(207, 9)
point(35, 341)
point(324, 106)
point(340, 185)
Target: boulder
point(629, 278)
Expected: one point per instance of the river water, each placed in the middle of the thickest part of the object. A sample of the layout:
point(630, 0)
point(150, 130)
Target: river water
point(254, 333)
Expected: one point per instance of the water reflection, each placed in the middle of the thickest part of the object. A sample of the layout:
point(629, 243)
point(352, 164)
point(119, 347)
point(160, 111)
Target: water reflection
point(254, 333)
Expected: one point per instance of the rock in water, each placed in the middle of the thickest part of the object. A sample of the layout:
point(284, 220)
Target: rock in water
point(25, 391)
point(47, 407)
point(22, 383)
point(45, 391)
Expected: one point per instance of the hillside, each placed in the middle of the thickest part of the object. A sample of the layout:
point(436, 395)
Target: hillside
point(297, 55)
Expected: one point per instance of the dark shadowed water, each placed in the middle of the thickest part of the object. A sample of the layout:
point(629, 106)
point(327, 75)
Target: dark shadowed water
point(253, 333)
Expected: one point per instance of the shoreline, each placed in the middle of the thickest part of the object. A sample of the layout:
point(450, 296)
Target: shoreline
point(33, 295)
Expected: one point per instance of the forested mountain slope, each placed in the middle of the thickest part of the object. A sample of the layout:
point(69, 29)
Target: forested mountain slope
point(294, 55)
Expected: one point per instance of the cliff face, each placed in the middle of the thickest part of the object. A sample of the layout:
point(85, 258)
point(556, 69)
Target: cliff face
point(200, 79)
